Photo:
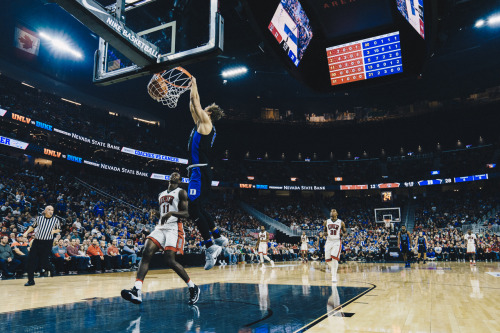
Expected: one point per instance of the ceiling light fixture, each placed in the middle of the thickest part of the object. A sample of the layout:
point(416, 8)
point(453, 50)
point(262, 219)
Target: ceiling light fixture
point(234, 72)
point(494, 19)
point(61, 45)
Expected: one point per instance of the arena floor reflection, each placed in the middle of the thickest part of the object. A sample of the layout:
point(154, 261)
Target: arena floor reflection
point(223, 307)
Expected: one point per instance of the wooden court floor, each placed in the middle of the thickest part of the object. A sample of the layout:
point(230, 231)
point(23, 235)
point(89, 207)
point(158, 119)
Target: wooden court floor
point(291, 297)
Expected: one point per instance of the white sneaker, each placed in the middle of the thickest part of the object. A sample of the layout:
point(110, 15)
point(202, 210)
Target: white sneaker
point(133, 295)
point(211, 255)
point(272, 263)
point(221, 241)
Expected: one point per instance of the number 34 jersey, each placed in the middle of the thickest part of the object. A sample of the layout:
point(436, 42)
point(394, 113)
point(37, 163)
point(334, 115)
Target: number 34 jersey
point(333, 229)
point(169, 202)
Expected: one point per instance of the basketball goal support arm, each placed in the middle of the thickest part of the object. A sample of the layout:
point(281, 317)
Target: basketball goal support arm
point(101, 22)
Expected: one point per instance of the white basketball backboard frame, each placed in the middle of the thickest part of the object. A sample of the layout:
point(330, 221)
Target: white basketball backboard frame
point(168, 60)
point(393, 213)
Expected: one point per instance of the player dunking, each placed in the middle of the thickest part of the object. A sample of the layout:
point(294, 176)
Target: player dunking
point(168, 237)
point(471, 246)
point(321, 245)
point(404, 245)
point(200, 180)
point(262, 245)
point(304, 246)
point(334, 228)
point(422, 247)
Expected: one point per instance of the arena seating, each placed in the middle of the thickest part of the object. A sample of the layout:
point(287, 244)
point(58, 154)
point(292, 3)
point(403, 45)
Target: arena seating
point(92, 205)
point(452, 160)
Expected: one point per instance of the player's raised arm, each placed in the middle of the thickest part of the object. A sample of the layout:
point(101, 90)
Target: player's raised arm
point(199, 115)
point(344, 229)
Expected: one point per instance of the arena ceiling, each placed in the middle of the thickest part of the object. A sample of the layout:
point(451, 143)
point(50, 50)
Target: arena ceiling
point(460, 61)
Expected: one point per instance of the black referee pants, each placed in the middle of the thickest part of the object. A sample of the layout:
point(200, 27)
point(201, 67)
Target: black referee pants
point(39, 255)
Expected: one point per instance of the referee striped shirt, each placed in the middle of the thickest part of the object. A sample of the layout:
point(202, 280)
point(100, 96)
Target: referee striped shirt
point(44, 226)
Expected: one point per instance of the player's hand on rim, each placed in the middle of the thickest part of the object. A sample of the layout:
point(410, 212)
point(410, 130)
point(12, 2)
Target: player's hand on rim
point(192, 82)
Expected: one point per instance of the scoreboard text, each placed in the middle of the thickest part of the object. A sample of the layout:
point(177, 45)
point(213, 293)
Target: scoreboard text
point(365, 59)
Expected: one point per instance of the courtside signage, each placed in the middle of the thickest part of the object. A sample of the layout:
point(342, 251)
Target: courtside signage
point(159, 176)
point(154, 156)
point(13, 143)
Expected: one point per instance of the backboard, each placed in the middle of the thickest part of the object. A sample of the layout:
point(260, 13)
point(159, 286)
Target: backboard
point(142, 37)
point(392, 214)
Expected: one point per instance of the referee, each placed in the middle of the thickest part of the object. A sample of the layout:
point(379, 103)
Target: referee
point(45, 226)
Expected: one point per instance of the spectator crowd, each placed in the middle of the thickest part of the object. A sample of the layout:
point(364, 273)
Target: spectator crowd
point(105, 221)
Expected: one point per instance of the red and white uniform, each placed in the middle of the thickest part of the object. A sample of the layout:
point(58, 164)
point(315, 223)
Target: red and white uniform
point(333, 244)
point(263, 236)
point(170, 235)
point(305, 240)
point(471, 243)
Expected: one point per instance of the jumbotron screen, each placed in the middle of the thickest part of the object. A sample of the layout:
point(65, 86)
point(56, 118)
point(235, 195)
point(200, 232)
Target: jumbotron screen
point(413, 11)
point(290, 27)
point(365, 59)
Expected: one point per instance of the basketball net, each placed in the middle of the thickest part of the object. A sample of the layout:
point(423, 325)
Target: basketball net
point(167, 86)
point(387, 223)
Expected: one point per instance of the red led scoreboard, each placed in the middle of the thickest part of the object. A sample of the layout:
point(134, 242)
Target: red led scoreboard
point(365, 59)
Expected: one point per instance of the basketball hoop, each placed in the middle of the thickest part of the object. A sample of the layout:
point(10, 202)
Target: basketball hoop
point(167, 86)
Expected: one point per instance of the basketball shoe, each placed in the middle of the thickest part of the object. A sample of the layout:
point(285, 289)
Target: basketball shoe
point(211, 255)
point(194, 294)
point(133, 295)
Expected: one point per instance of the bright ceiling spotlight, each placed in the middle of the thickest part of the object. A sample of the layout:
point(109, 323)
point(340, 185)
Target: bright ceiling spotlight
point(61, 45)
point(234, 72)
point(479, 23)
point(494, 20)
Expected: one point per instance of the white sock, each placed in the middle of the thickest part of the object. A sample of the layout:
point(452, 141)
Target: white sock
point(138, 284)
point(335, 266)
point(190, 284)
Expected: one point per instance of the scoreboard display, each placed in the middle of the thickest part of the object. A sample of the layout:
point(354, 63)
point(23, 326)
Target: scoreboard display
point(365, 59)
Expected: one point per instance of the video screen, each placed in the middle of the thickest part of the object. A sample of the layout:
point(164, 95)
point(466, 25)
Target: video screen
point(365, 59)
point(290, 27)
point(413, 11)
